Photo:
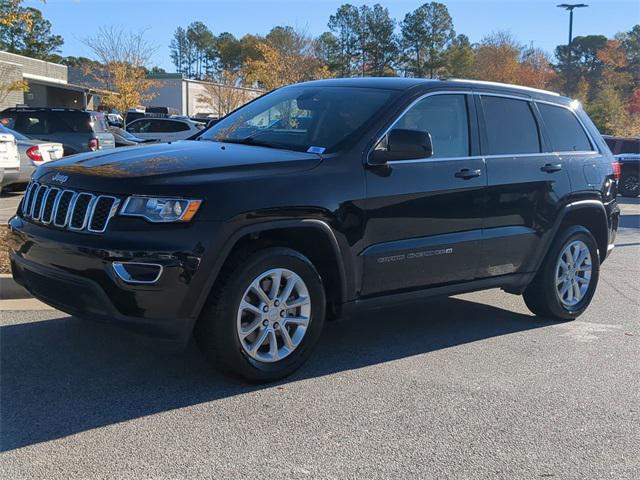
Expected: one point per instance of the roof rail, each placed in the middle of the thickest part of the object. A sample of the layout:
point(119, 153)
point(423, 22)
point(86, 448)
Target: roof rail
point(498, 84)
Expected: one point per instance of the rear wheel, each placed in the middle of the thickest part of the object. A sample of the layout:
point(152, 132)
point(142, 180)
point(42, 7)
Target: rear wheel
point(567, 279)
point(265, 316)
point(629, 185)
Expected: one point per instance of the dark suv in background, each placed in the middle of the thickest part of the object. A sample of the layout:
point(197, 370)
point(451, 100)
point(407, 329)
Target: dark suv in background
point(627, 152)
point(77, 130)
point(390, 190)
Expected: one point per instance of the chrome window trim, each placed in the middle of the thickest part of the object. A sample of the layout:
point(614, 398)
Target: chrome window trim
point(110, 215)
point(44, 204)
point(524, 97)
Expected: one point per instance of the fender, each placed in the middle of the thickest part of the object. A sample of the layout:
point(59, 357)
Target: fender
point(568, 208)
point(233, 239)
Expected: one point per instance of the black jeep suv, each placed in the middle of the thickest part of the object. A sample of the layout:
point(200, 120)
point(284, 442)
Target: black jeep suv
point(320, 197)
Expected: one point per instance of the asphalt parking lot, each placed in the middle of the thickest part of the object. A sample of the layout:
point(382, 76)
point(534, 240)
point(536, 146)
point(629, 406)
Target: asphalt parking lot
point(469, 387)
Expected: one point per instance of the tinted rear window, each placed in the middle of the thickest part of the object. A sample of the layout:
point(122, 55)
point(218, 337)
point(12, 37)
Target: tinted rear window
point(511, 126)
point(630, 146)
point(70, 122)
point(564, 130)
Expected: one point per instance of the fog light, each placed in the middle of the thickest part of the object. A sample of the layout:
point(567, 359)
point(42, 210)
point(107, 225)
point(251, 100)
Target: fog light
point(135, 272)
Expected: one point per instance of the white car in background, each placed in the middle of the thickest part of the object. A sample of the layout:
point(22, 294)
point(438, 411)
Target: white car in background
point(164, 129)
point(32, 153)
point(9, 159)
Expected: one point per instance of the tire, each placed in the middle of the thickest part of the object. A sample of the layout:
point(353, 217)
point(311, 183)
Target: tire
point(218, 329)
point(543, 298)
point(629, 185)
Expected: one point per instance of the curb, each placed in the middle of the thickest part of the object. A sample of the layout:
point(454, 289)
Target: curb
point(9, 289)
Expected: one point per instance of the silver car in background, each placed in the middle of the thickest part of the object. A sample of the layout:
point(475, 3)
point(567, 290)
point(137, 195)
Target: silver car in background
point(32, 154)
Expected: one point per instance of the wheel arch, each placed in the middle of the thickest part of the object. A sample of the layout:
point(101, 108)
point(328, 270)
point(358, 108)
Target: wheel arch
point(314, 238)
point(592, 215)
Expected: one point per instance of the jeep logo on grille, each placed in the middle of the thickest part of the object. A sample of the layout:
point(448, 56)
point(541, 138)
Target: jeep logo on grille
point(58, 177)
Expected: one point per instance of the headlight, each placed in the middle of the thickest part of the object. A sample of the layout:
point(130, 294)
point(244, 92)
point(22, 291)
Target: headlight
point(161, 209)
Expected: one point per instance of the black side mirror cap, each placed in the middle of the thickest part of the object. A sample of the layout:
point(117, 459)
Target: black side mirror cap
point(403, 144)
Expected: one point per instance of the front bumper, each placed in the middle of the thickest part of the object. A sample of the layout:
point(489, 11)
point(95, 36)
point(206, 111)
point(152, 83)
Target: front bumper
point(73, 272)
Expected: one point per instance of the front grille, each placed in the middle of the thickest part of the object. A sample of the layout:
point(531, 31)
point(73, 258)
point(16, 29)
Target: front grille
point(78, 211)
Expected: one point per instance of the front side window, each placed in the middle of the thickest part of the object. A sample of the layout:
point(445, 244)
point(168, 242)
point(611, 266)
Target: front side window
point(564, 131)
point(314, 119)
point(445, 118)
point(171, 126)
point(510, 125)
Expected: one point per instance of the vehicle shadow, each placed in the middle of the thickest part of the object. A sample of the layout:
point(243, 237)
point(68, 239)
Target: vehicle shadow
point(66, 375)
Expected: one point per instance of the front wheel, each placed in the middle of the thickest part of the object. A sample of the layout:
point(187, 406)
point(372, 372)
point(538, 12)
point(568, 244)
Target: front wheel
point(567, 279)
point(265, 315)
point(629, 185)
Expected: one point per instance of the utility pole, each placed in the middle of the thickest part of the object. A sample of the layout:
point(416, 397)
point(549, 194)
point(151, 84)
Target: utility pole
point(571, 7)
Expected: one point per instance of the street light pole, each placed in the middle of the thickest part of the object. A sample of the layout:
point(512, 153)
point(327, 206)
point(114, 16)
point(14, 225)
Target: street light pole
point(571, 7)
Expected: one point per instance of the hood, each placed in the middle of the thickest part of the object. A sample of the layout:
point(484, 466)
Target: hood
point(177, 163)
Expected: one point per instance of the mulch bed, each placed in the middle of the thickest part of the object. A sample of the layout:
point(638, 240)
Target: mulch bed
point(4, 251)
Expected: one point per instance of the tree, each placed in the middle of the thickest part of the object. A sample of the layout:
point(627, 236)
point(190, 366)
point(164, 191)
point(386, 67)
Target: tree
point(178, 51)
point(459, 58)
point(344, 25)
point(498, 58)
point(579, 61)
point(223, 95)
point(328, 51)
point(606, 109)
point(426, 34)
point(124, 57)
point(27, 33)
point(282, 63)
point(380, 43)
point(535, 69)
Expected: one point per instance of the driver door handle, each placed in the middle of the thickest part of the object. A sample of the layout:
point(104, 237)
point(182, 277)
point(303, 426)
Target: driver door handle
point(551, 167)
point(467, 174)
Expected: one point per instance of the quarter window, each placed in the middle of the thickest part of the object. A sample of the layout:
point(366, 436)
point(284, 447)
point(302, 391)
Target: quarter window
point(445, 118)
point(510, 125)
point(564, 131)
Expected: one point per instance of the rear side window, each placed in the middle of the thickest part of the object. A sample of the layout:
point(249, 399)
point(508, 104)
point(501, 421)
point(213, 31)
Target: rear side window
point(445, 118)
point(71, 122)
point(139, 126)
point(564, 130)
point(510, 125)
point(32, 123)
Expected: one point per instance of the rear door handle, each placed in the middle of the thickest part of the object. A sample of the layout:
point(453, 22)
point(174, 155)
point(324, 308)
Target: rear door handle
point(551, 167)
point(467, 174)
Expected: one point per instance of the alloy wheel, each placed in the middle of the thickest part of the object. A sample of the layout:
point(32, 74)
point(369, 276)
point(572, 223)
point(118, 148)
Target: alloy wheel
point(573, 273)
point(273, 316)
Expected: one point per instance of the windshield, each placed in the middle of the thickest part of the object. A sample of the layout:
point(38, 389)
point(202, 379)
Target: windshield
point(307, 119)
point(18, 135)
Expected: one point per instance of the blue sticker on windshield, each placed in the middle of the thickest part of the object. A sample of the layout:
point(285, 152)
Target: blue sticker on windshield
point(317, 150)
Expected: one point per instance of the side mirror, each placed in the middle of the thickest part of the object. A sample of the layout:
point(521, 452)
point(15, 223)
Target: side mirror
point(402, 144)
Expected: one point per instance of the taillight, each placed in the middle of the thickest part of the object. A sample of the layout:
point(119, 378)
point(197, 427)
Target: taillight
point(34, 153)
point(94, 144)
point(617, 170)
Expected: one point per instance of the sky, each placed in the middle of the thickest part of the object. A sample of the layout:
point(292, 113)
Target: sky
point(537, 22)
